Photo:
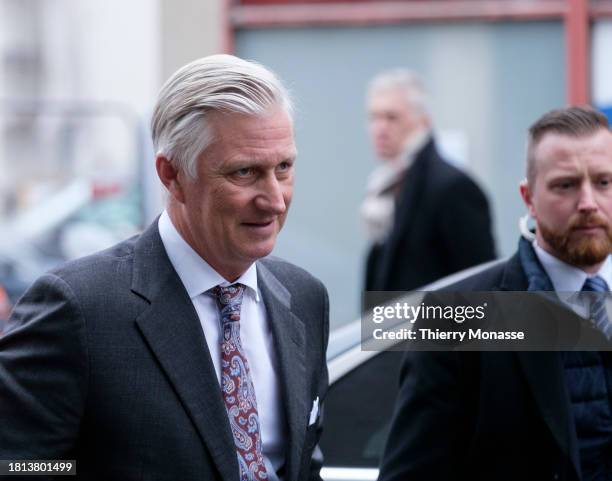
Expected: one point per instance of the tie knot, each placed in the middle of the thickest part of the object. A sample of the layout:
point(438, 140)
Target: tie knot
point(595, 284)
point(229, 300)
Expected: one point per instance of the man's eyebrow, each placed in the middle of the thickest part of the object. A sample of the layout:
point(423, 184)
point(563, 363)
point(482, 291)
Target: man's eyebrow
point(566, 175)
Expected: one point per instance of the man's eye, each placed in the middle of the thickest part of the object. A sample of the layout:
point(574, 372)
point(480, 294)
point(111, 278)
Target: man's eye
point(244, 172)
point(564, 185)
point(283, 166)
point(605, 182)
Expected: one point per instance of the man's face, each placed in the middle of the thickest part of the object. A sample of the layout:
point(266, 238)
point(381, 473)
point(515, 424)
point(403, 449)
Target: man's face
point(391, 122)
point(236, 207)
point(571, 197)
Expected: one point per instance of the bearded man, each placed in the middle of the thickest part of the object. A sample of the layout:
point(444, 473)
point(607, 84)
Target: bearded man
point(525, 415)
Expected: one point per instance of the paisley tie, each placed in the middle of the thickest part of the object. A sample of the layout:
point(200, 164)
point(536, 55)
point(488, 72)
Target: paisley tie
point(237, 386)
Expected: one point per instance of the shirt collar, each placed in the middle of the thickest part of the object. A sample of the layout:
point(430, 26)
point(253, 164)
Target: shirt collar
point(567, 278)
point(195, 273)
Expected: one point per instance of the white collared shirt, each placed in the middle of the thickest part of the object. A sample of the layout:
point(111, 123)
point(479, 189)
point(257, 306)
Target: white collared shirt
point(198, 277)
point(569, 280)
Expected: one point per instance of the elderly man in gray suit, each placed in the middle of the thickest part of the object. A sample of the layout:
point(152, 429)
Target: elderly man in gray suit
point(184, 353)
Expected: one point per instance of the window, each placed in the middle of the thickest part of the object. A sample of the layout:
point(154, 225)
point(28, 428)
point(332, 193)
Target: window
point(358, 412)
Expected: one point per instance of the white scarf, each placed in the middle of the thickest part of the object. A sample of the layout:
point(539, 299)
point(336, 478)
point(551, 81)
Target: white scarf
point(378, 207)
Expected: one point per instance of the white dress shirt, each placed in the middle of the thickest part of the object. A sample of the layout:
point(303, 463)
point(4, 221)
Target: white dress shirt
point(569, 280)
point(198, 277)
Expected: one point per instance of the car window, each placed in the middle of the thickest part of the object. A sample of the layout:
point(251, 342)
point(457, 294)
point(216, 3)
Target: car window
point(358, 411)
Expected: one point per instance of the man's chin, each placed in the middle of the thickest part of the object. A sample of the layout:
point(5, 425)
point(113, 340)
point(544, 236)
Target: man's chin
point(257, 250)
point(589, 251)
point(580, 247)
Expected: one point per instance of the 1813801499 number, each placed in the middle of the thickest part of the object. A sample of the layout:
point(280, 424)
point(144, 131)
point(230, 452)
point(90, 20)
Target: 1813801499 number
point(30, 466)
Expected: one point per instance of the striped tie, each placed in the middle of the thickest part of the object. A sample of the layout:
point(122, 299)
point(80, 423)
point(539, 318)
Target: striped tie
point(598, 313)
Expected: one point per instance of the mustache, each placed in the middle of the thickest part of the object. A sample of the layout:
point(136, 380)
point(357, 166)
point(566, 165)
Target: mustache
point(590, 220)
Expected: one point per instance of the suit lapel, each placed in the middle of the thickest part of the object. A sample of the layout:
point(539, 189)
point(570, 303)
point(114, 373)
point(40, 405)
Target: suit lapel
point(544, 374)
point(289, 340)
point(414, 181)
point(171, 328)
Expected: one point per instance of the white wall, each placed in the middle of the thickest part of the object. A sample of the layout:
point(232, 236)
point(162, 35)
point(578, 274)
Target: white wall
point(602, 64)
point(190, 29)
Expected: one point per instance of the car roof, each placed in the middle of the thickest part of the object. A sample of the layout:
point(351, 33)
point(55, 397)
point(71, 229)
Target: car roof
point(345, 353)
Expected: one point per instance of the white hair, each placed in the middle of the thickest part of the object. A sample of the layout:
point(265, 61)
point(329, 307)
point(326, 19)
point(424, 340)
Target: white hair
point(404, 80)
point(180, 126)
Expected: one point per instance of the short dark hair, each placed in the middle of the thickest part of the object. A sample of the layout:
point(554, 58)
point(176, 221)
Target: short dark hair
point(570, 121)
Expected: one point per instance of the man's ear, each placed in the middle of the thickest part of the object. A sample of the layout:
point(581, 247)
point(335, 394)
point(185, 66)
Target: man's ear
point(526, 193)
point(169, 176)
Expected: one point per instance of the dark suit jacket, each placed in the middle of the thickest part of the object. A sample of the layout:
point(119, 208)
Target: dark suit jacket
point(105, 361)
point(442, 225)
point(482, 415)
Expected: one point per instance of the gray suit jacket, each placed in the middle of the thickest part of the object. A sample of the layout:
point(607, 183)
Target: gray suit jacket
point(104, 361)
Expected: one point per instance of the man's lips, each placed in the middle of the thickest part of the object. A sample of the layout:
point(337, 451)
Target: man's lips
point(259, 224)
point(589, 228)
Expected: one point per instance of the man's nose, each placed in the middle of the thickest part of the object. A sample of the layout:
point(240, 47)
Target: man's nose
point(271, 197)
point(586, 202)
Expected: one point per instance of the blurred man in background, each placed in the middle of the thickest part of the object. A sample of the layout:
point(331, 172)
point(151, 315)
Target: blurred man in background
point(425, 218)
point(526, 415)
point(182, 353)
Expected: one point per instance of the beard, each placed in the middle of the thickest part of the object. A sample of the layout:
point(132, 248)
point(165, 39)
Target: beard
point(577, 248)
